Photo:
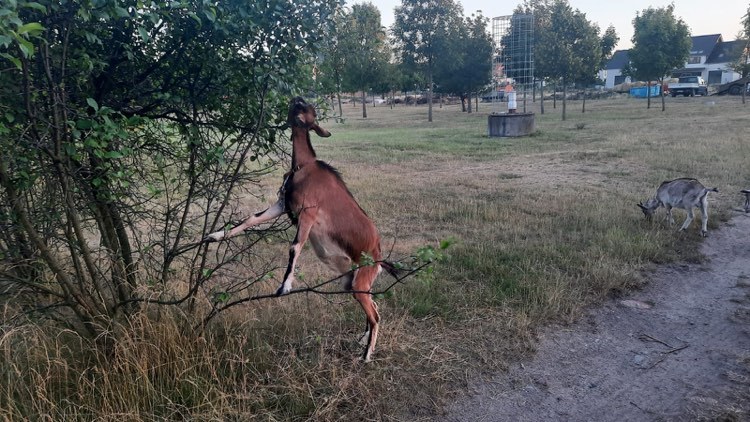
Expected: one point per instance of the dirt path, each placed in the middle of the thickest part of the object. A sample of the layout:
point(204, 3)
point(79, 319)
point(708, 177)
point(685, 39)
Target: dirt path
point(677, 350)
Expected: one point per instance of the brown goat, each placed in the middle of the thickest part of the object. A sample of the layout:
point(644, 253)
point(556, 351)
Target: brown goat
point(318, 202)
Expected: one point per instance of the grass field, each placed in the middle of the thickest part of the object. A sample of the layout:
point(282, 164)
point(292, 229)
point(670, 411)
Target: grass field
point(542, 227)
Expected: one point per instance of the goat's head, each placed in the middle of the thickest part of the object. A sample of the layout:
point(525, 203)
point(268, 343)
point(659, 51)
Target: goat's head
point(303, 115)
point(649, 207)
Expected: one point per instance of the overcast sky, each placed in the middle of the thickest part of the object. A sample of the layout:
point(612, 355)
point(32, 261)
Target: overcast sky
point(702, 16)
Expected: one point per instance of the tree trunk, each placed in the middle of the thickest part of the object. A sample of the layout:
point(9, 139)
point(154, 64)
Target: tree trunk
point(364, 104)
point(554, 95)
point(463, 103)
point(341, 110)
point(583, 107)
point(429, 96)
point(541, 98)
point(469, 98)
point(565, 97)
point(648, 94)
point(533, 90)
point(661, 94)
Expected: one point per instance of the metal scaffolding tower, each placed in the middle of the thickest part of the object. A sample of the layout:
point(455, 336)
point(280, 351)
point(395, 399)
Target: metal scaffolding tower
point(513, 61)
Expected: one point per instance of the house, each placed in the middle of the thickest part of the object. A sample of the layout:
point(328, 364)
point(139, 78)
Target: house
point(612, 72)
point(710, 58)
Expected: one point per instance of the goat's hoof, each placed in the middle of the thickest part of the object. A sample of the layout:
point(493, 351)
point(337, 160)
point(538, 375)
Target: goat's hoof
point(214, 237)
point(282, 291)
point(704, 233)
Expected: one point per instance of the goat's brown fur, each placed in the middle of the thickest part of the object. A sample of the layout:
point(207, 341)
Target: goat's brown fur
point(325, 212)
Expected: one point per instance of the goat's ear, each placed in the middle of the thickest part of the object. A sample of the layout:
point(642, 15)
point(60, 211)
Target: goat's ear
point(320, 131)
point(640, 205)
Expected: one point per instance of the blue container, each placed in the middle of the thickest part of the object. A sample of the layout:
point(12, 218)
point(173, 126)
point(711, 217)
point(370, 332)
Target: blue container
point(640, 92)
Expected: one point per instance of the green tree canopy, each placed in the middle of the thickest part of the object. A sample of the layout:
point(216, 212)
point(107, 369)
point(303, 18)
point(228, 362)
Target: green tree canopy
point(742, 65)
point(366, 52)
point(661, 43)
point(128, 129)
point(568, 46)
point(421, 29)
point(464, 65)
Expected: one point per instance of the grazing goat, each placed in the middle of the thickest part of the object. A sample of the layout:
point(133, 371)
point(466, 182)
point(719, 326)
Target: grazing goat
point(682, 193)
point(318, 202)
point(747, 199)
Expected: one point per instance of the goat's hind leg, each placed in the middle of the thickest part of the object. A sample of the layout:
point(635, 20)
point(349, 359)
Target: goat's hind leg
point(268, 214)
point(704, 216)
point(363, 279)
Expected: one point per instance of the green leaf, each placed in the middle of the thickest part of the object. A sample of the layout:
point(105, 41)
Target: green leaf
point(27, 48)
point(34, 28)
point(84, 124)
point(144, 34)
point(35, 5)
point(5, 40)
point(113, 154)
point(92, 103)
point(121, 12)
point(15, 60)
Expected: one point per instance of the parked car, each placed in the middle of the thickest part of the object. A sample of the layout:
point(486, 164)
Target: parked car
point(688, 85)
point(493, 96)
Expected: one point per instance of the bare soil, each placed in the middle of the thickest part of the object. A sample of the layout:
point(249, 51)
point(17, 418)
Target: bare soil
point(677, 350)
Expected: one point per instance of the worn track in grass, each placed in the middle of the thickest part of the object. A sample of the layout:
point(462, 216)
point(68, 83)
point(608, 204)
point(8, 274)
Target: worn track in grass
point(677, 350)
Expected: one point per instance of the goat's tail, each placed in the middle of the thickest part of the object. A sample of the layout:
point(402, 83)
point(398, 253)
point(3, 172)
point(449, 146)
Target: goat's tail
point(392, 269)
point(712, 189)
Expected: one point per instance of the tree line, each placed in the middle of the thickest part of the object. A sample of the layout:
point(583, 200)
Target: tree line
point(433, 48)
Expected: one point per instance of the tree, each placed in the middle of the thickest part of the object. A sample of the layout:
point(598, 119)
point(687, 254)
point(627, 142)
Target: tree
point(366, 52)
point(421, 27)
point(543, 68)
point(570, 46)
point(661, 43)
point(464, 65)
point(129, 128)
point(332, 60)
point(742, 65)
point(608, 42)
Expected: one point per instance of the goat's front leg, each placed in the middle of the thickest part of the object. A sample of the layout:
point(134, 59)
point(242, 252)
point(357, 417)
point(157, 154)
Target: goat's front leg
point(670, 217)
point(305, 223)
point(268, 214)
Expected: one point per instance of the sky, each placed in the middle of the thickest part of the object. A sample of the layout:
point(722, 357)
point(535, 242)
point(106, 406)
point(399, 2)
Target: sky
point(702, 17)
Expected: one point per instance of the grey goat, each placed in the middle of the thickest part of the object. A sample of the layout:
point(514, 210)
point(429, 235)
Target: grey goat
point(747, 199)
point(685, 193)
